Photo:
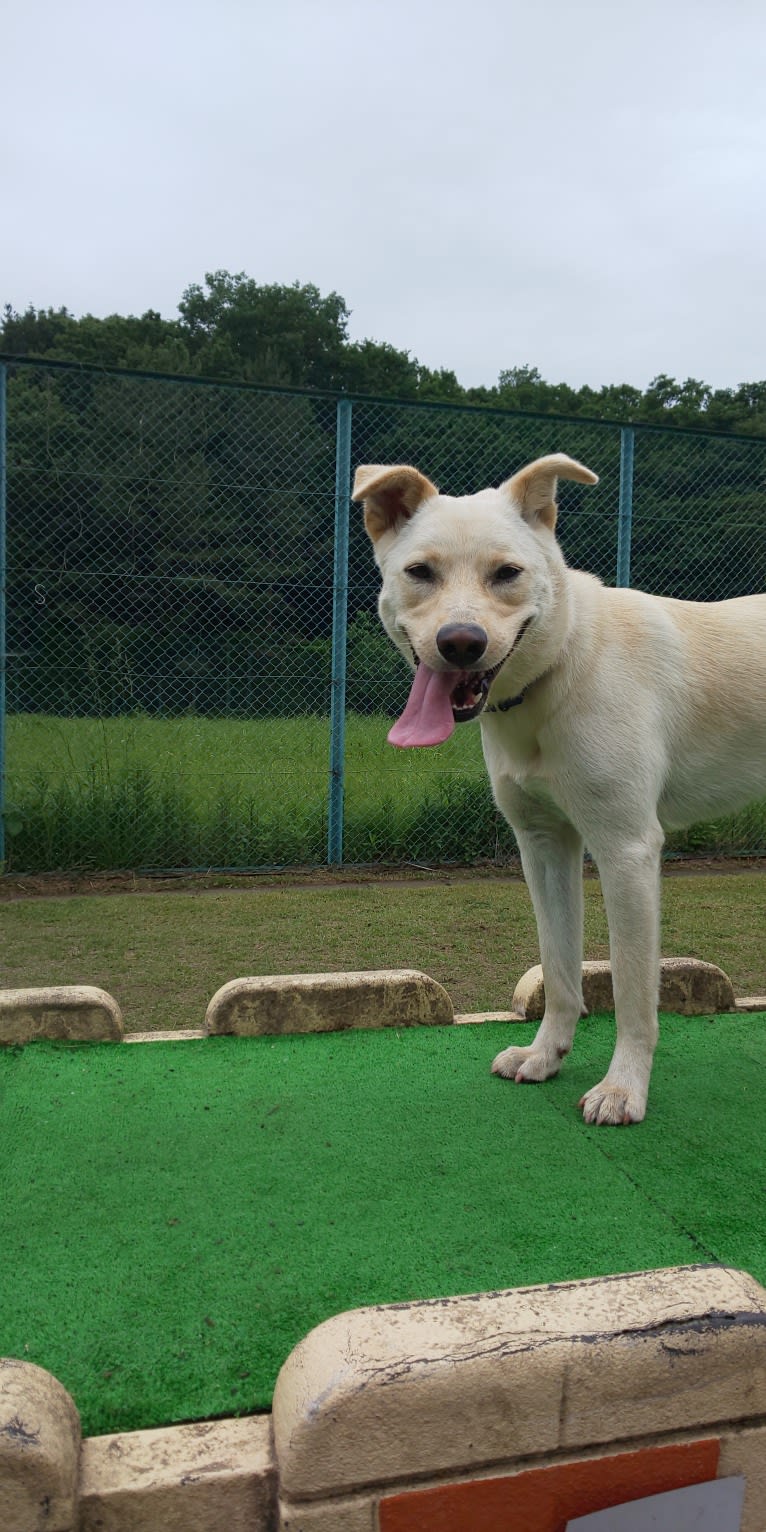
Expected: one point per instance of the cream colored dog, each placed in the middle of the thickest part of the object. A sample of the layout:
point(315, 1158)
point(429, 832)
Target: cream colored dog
point(607, 717)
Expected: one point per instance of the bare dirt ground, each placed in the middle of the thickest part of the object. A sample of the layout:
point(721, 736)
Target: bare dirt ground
point(56, 885)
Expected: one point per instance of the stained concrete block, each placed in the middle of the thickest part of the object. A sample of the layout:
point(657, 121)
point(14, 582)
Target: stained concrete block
point(194, 1478)
point(472, 1018)
point(445, 1387)
point(359, 1514)
point(687, 986)
point(743, 1451)
point(39, 1450)
point(72, 1012)
point(177, 1035)
point(328, 1002)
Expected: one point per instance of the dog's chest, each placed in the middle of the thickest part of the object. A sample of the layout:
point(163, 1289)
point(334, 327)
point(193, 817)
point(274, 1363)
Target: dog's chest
point(512, 747)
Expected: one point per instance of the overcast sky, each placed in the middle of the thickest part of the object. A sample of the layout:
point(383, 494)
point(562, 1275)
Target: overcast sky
point(575, 184)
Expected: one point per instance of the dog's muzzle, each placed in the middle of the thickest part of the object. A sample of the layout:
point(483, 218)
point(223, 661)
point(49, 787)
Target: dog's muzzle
point(462, 645)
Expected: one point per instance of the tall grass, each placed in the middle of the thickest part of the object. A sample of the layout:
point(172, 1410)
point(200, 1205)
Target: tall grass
point(134, 792)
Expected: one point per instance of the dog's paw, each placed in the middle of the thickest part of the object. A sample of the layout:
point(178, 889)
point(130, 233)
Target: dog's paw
point(525, 1064)
point(611, 1105)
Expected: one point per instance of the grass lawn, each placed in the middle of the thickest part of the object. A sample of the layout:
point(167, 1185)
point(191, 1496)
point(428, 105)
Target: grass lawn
point(163, 955)
point(133, 792)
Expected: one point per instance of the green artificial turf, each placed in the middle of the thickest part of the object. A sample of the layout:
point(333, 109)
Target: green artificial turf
point(176, 1216)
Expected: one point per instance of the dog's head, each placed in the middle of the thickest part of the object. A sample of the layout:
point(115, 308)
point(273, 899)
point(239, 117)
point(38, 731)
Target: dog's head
point(466, 581)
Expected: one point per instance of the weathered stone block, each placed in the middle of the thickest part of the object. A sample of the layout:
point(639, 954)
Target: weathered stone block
point(71, 1012)
point(687, 986)
point(194, 1478)
point(451, 1386)
point(39, 1450)
point(328, 1002)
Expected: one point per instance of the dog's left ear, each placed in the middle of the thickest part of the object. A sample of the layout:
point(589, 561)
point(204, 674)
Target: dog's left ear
point(533, 488)
point(390, 495)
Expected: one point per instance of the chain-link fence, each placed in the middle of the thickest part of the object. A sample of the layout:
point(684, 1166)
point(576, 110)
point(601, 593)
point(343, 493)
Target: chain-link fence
point(196, 676)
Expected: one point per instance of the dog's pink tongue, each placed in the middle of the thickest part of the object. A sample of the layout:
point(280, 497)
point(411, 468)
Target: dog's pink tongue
point(427, 719)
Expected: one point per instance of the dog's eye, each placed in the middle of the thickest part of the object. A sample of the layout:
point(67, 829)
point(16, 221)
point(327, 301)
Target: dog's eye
point(505, 574)
point(422, 572)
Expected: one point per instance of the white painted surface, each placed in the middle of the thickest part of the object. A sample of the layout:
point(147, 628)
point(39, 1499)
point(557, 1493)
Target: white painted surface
point(712, 1507)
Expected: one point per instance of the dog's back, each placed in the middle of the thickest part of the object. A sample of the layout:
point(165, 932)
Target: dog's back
point(678, 683)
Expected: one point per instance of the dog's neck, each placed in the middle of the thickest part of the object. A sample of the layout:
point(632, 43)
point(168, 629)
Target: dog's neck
point(509, 702)
point(539, 647)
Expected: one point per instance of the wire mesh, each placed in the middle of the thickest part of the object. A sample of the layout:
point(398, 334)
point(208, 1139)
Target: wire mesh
point(169, 609)
point(700, 516)
point(170, 614)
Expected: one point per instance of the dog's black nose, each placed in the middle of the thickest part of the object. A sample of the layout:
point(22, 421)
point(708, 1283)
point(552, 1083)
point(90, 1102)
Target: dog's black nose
point(461, 643)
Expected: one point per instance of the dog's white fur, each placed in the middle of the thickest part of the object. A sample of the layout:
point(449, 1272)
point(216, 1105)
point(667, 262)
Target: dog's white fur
point(642, 714)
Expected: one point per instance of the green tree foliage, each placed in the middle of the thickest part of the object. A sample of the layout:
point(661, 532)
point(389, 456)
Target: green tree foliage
point(293, 336)
point(163, 549)
point(147, 343)
point(171, 547)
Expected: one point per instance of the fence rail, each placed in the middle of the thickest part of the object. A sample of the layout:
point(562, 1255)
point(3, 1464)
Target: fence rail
point(193, 673)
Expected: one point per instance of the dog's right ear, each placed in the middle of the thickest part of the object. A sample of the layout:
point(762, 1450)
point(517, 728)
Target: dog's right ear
point(389, 495)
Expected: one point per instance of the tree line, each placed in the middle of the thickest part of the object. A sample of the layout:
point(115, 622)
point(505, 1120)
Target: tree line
point(293, 336)
point(170, 547)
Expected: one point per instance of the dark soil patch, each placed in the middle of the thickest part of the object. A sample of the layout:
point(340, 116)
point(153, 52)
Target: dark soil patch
point(51, 885)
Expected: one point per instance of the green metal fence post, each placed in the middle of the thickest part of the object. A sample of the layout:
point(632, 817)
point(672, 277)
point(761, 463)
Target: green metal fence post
point(625, 515)
point(3, 487)
point(339, 628)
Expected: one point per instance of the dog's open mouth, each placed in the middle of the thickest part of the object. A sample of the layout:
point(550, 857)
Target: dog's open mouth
point(469, 696)
point(438, 700)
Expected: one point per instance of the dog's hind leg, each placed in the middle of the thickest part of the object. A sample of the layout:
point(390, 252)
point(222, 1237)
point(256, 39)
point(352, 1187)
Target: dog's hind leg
point(551, 856)
point(630, 880)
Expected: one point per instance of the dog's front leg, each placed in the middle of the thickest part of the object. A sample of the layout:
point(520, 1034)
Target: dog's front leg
point(630, 880)
point(551, 856)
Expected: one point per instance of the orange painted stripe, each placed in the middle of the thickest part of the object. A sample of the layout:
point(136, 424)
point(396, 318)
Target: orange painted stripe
point(545, 1499)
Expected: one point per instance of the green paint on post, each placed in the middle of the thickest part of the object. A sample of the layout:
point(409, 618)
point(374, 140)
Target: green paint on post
point(339, 631)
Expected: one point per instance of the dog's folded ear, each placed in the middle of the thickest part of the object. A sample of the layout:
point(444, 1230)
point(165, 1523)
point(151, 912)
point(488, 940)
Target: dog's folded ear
point(390, 495)
point(533, 489)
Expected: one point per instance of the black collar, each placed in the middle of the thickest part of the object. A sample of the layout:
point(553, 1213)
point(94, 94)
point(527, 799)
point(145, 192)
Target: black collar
point(509, 702)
